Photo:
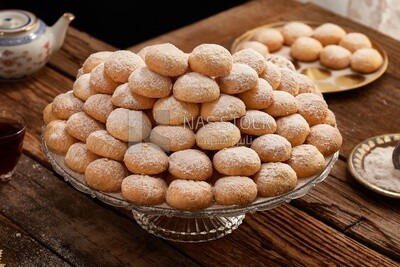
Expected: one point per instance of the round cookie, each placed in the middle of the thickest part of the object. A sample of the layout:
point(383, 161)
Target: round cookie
point(194, 87)
point(99, 107)
point(306, 85)
point(189, 195)
point(190, 164)
point(81, 87)
point(145, 82)
point(78, 157)
point(326, 138)
point(335, 57)
point(289, 81)
point(366, 60)
point(123, 97)
point(281, 61)
point(105, 145)
point(272, 148)
point(258, 46)
point(100, 82)
point(128, 125)
point(57, 138)
point(330, 118)
point(217, 135)
point(64, 105)
point(328, 33)
point(353, 41)
point(105, 175)
point(305, 49)
point(121, 63)
point(211, 60)
point(80, 125)
point(166, 59)
point(95, 59)
point(171, 111)
point(274, 179)
point(48, 114)
point(240, 79)
point(235, 190)
point(294, 128)
point(312, 107)
point(284, 104)
point(271, 74)
point(172, 138)
point(225, 108)
point(144, 189)
point(240, 161)
point(251, 58)
point(293, 30)
point(306, 160)
point(257, 123)
point(272, 38)
point(260, 97)
point(146, 158)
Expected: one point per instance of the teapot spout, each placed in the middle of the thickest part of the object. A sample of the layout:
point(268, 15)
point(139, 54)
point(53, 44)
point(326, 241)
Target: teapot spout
point(59, 29)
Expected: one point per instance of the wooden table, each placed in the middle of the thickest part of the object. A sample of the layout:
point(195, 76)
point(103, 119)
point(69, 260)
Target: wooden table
point(44, 221)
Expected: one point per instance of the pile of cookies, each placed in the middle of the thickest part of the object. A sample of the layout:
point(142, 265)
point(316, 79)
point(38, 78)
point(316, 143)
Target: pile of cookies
point(329, 43)
point(191, 129)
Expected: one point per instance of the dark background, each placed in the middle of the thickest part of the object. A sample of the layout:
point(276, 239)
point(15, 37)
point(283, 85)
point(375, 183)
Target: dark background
point(118, 24)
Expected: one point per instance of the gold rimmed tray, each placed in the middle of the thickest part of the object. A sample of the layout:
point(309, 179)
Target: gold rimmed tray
point(327, 80)
point(355, 161)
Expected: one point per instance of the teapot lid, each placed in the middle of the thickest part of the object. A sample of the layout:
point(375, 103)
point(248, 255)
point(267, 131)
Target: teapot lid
point(15, 21)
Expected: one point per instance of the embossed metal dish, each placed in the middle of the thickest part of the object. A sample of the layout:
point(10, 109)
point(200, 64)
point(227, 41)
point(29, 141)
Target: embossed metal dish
point(327, 80)
point(355, 161)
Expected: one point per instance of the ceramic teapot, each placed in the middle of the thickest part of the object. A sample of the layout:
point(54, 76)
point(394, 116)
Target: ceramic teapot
point(26, 42)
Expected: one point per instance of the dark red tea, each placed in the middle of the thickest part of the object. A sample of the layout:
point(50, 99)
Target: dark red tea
point(11, 139)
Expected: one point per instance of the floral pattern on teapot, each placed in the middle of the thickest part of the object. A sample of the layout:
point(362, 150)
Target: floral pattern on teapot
point(24, 59)
point(26, 43)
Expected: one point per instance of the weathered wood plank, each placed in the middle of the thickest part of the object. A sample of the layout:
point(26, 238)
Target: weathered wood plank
point(348, 206)
point(284, 236)
point(77, 227)
point(17, 248)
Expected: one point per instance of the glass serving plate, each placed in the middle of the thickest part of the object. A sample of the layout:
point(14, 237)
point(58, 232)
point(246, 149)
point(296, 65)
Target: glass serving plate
point(187, 226)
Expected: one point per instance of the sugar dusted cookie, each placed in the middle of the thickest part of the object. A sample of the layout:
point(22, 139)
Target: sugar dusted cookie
point(251, 58)
point(194, 87)
point(190, 164)
point(189, 195)
point(167, 59)
point(328, 33)
point(241, 161)
point(260, 97)
point(353, 41)
point(217, 135)
point(211, 60)
point(235, 190)
point(306, 160)
point(366, 60)
point(270, 37)
point(293, 30)
point(105, 175)
point(335, 57)
point(120, 64)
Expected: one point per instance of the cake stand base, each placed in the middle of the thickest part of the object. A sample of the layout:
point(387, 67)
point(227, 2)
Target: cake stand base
point(189, 230)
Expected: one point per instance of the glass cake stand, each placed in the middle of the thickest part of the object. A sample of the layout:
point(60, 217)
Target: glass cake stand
point(188, 226)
